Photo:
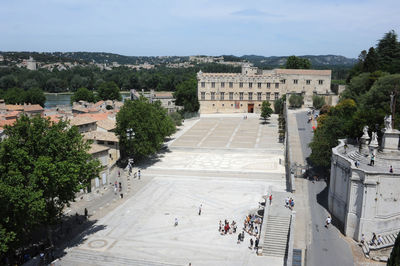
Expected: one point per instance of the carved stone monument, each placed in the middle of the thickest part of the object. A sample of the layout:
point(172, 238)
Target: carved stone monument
point(373, 145)
point(364, 142)
point(390, 140)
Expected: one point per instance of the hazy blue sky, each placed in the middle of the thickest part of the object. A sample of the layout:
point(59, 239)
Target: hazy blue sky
point(186, 27)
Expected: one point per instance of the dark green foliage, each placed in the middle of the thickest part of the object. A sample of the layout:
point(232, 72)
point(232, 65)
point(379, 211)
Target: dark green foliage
point(266, 110)
point(149, 122)
point(19, 96)
point(279, 105)
point(83, 94)
point(186, 96)
point(318, 101)
point(109, 91)
point(294, 62)
point(295, 101)
point(42, 166)
point(177, 118)
point(394, 259)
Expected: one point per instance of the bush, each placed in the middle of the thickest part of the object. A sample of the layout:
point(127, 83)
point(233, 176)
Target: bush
point(177, 118)
point(318, 101)
point(296, 101)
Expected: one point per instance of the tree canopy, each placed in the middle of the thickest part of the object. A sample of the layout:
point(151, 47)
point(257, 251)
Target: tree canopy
point(20, 96)
point(42, 165)
point(83, 94)
point(149, 123)
point(186, 95)
point(294, 62)
point(266, 110)
point(109, 91)
point(318, 101)
point(295, 101)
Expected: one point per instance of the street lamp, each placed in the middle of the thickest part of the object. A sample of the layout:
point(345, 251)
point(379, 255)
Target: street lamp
point(130, 134)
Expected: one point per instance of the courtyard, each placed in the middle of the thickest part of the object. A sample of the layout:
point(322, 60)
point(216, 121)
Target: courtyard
point(225, 163)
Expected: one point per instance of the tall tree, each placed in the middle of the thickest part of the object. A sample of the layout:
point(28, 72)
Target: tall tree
point(35, 96)
point(109, 91)
point(266, 110)
point(294, 62)
point(83, 94)
point(42, 166)
point(186, 95)
point(388, 50)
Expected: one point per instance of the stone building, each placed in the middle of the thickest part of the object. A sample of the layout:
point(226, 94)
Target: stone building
point(244, 92)
point(365, 197)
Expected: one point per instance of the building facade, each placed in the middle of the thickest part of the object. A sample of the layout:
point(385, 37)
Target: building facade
point(244, 92)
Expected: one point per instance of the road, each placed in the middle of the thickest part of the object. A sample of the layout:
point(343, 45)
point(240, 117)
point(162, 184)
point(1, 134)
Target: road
point(327, 245)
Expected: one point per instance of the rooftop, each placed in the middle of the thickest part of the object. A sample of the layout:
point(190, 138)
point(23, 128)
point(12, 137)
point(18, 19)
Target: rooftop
point(95, 148)
point(102, 136)
point(107, 124)
point(81, 120)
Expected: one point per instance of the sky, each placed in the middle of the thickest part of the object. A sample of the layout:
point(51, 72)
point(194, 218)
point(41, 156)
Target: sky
point(199, 27)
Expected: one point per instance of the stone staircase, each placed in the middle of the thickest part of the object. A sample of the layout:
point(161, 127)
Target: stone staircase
point(89, 258)
point(388, 241)
point(276, 236)
point(356, 156)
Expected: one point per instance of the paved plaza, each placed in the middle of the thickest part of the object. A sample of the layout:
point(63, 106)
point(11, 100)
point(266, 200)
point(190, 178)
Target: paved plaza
point(224, 163)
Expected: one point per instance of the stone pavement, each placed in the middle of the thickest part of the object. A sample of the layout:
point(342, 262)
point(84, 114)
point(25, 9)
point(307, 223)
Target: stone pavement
point(216, 162)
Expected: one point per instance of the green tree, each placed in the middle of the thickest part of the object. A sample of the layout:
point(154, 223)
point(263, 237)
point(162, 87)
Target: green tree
point(279, 105)
point(388, 50)
point(186, 95)
point(371, 61)
point(83, 94)
point(318, 101)
point(42, 166)
point(35, 96)
point(177, 118)
point(149, 122)
point(8, 82)
point(295, 101)
point(394, 259)
point(109, 91)
point(294, 62)
point(14, 96)
point(266, 110)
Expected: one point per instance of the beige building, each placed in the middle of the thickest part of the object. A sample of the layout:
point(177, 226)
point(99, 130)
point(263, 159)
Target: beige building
point(244, 92)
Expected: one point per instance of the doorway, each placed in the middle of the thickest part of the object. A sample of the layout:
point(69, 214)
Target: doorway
point(250, 108)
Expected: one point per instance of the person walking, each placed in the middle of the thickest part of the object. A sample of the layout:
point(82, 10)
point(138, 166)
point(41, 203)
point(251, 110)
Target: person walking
point(251, 243)
point(176, 221)
point(270, 199)
point(391, 169)
point(287, 202)
point(328, 221)
point(200, 209)
point(239, 238)
point(380, 240)
point(291, 203)
point(373, 239)
point(372, 162)
point(139, 174)
point(256, 244)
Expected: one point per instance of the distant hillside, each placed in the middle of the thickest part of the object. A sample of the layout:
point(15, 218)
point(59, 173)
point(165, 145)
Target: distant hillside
point(316, 60)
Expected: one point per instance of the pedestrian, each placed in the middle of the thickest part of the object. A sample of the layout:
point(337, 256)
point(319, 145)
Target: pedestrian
point(328, 221)
point(373, 239)
point(372, 162)
point(256, 244)
point(86, 213)
point(242, 236)
point(270, 199)
point(200, 209)
point(139, 174)
point(251, 243)
point(220, 226)
point(119, 173)
point(362, 239)
point(176, 221)
point(287, 202)
point(239, 237)
point(256, 230)
point(291, 203)
point(391, 169)
point(380, 240)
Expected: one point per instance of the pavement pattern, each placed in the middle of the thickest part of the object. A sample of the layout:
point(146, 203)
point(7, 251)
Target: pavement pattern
point(225, 163)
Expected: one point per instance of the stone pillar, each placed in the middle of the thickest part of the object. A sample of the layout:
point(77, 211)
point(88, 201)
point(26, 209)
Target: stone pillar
point(390, 140)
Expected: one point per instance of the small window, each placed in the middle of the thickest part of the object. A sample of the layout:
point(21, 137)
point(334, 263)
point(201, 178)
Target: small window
point(276, 85)
point(268, 96)
point(110, 143)
point(250, 84)
point(259, 85)
point(100, 142)
point(283, 81)
point(230, 84)
point(241, 96)
point(221, 96)
point(222, 84)
point(240, 84)
point(250, 96)
point(295, 81)
point(320, 82)
point(223, 104)
point(231, 96)
point(276, 96)
point(212, 95)
point(212, 84)
point(203, 84)
point(203, 95)
point(308, 81)
point(268, 85)
point(258, 96)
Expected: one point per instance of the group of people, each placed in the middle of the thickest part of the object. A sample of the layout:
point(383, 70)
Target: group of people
point(252, 225)
point(289, 203)
point(375, 240)
point(227, 228)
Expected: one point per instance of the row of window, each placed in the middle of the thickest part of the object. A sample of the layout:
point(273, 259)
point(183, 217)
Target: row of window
point(241, 94)
point(259, 84)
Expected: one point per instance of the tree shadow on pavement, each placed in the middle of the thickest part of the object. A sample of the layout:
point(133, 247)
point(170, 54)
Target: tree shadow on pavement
point(322, 199)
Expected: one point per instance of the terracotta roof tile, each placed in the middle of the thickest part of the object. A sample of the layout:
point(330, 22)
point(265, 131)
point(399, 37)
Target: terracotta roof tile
point(103, 136)
point(95, 148)
point(81, 120)
point(107, 124)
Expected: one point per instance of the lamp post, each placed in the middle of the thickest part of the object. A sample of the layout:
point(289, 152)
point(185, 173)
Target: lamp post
point(130, 134)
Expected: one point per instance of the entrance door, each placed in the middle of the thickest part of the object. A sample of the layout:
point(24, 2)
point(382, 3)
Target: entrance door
point(250, 108)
